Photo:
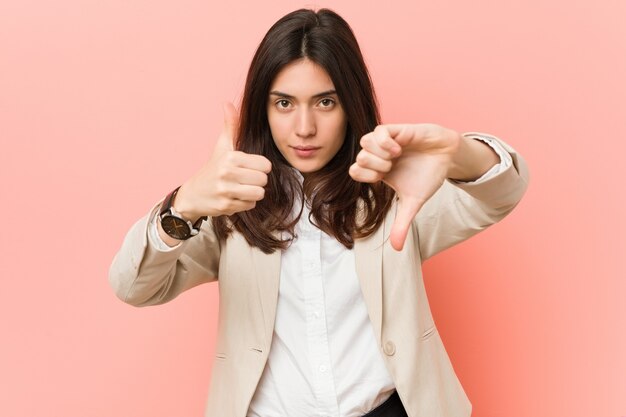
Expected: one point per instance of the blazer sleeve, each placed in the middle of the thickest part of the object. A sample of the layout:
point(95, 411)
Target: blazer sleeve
point(460, 210)
point(141, 275)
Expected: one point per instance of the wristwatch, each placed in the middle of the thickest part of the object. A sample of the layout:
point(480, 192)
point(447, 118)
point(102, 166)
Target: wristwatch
point(174, 224)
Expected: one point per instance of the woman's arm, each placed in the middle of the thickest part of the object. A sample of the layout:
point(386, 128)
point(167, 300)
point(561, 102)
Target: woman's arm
point(416, 160)
point(459, 210)
point(143, 275)
point(472, 159)
point(229, 182)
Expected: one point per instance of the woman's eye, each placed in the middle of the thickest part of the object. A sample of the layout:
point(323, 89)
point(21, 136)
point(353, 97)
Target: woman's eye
point(283, 104)
point(327, 102)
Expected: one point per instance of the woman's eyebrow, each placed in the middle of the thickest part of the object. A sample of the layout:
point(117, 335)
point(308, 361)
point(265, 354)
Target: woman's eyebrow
point(285, 95)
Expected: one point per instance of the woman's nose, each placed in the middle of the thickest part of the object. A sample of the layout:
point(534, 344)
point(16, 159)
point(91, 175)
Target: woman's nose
point(305, 124)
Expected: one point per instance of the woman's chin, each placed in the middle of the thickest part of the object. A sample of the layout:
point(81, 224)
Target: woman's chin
point(306, 168)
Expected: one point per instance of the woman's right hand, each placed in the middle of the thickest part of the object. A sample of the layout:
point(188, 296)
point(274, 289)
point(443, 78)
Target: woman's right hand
point(229, 182)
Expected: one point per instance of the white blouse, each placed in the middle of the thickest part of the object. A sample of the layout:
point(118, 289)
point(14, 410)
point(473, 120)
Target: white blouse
point(324, 359)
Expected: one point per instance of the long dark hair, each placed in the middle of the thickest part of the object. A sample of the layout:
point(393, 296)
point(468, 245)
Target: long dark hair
point(326, 39)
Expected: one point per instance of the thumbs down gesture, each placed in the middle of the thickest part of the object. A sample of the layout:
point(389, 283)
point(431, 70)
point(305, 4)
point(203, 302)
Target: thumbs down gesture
point(415, 160)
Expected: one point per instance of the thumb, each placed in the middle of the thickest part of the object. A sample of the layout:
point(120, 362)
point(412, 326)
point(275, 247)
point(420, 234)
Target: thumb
point(231, 124)
point(407, 209)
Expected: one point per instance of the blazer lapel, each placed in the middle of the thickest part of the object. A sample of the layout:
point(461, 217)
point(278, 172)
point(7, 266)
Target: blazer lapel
point(268, 276)
point(368, 255)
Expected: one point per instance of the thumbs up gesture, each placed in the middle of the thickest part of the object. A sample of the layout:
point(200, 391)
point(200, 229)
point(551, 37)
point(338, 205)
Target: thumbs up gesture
point(414, 160)
point(229, 182)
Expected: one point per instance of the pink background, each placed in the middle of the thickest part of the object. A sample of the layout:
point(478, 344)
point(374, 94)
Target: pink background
point(107, 105)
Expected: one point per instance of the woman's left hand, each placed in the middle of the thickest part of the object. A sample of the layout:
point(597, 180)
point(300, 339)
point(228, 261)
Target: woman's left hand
point(415, 160)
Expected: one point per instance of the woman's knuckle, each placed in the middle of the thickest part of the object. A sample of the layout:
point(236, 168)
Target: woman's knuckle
point(221, 189)
point(263, 179)
point(222, 205)
point(231, 158)
point(223, 173)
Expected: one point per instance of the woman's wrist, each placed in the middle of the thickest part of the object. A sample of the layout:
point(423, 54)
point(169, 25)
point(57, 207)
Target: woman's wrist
point(472, 159)
point(167, 239)
point(183, 205)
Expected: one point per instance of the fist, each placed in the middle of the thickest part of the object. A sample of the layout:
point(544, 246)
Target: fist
point(414, 160)
point(229, 182)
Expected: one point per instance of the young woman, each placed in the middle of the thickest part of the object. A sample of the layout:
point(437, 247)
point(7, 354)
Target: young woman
point(316, 218)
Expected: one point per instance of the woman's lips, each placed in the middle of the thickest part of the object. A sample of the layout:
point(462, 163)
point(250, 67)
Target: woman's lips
point(305, 151)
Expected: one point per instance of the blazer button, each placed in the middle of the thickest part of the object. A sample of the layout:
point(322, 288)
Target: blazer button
point(389, 348)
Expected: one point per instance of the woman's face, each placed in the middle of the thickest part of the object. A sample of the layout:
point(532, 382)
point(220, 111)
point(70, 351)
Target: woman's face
point(307, 121)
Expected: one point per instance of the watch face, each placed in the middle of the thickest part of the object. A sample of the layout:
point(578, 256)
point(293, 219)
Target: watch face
point(176, 227)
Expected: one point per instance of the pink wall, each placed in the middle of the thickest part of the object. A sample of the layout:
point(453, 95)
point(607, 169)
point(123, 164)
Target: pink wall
point(105, 106)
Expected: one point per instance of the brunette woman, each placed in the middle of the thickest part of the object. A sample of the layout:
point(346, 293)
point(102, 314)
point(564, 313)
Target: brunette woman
point(315, 218)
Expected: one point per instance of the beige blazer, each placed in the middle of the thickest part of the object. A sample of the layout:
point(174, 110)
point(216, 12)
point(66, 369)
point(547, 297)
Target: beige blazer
point(391, 283)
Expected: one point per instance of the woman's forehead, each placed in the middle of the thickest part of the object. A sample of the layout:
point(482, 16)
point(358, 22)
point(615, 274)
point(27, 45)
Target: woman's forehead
point(302, 79)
